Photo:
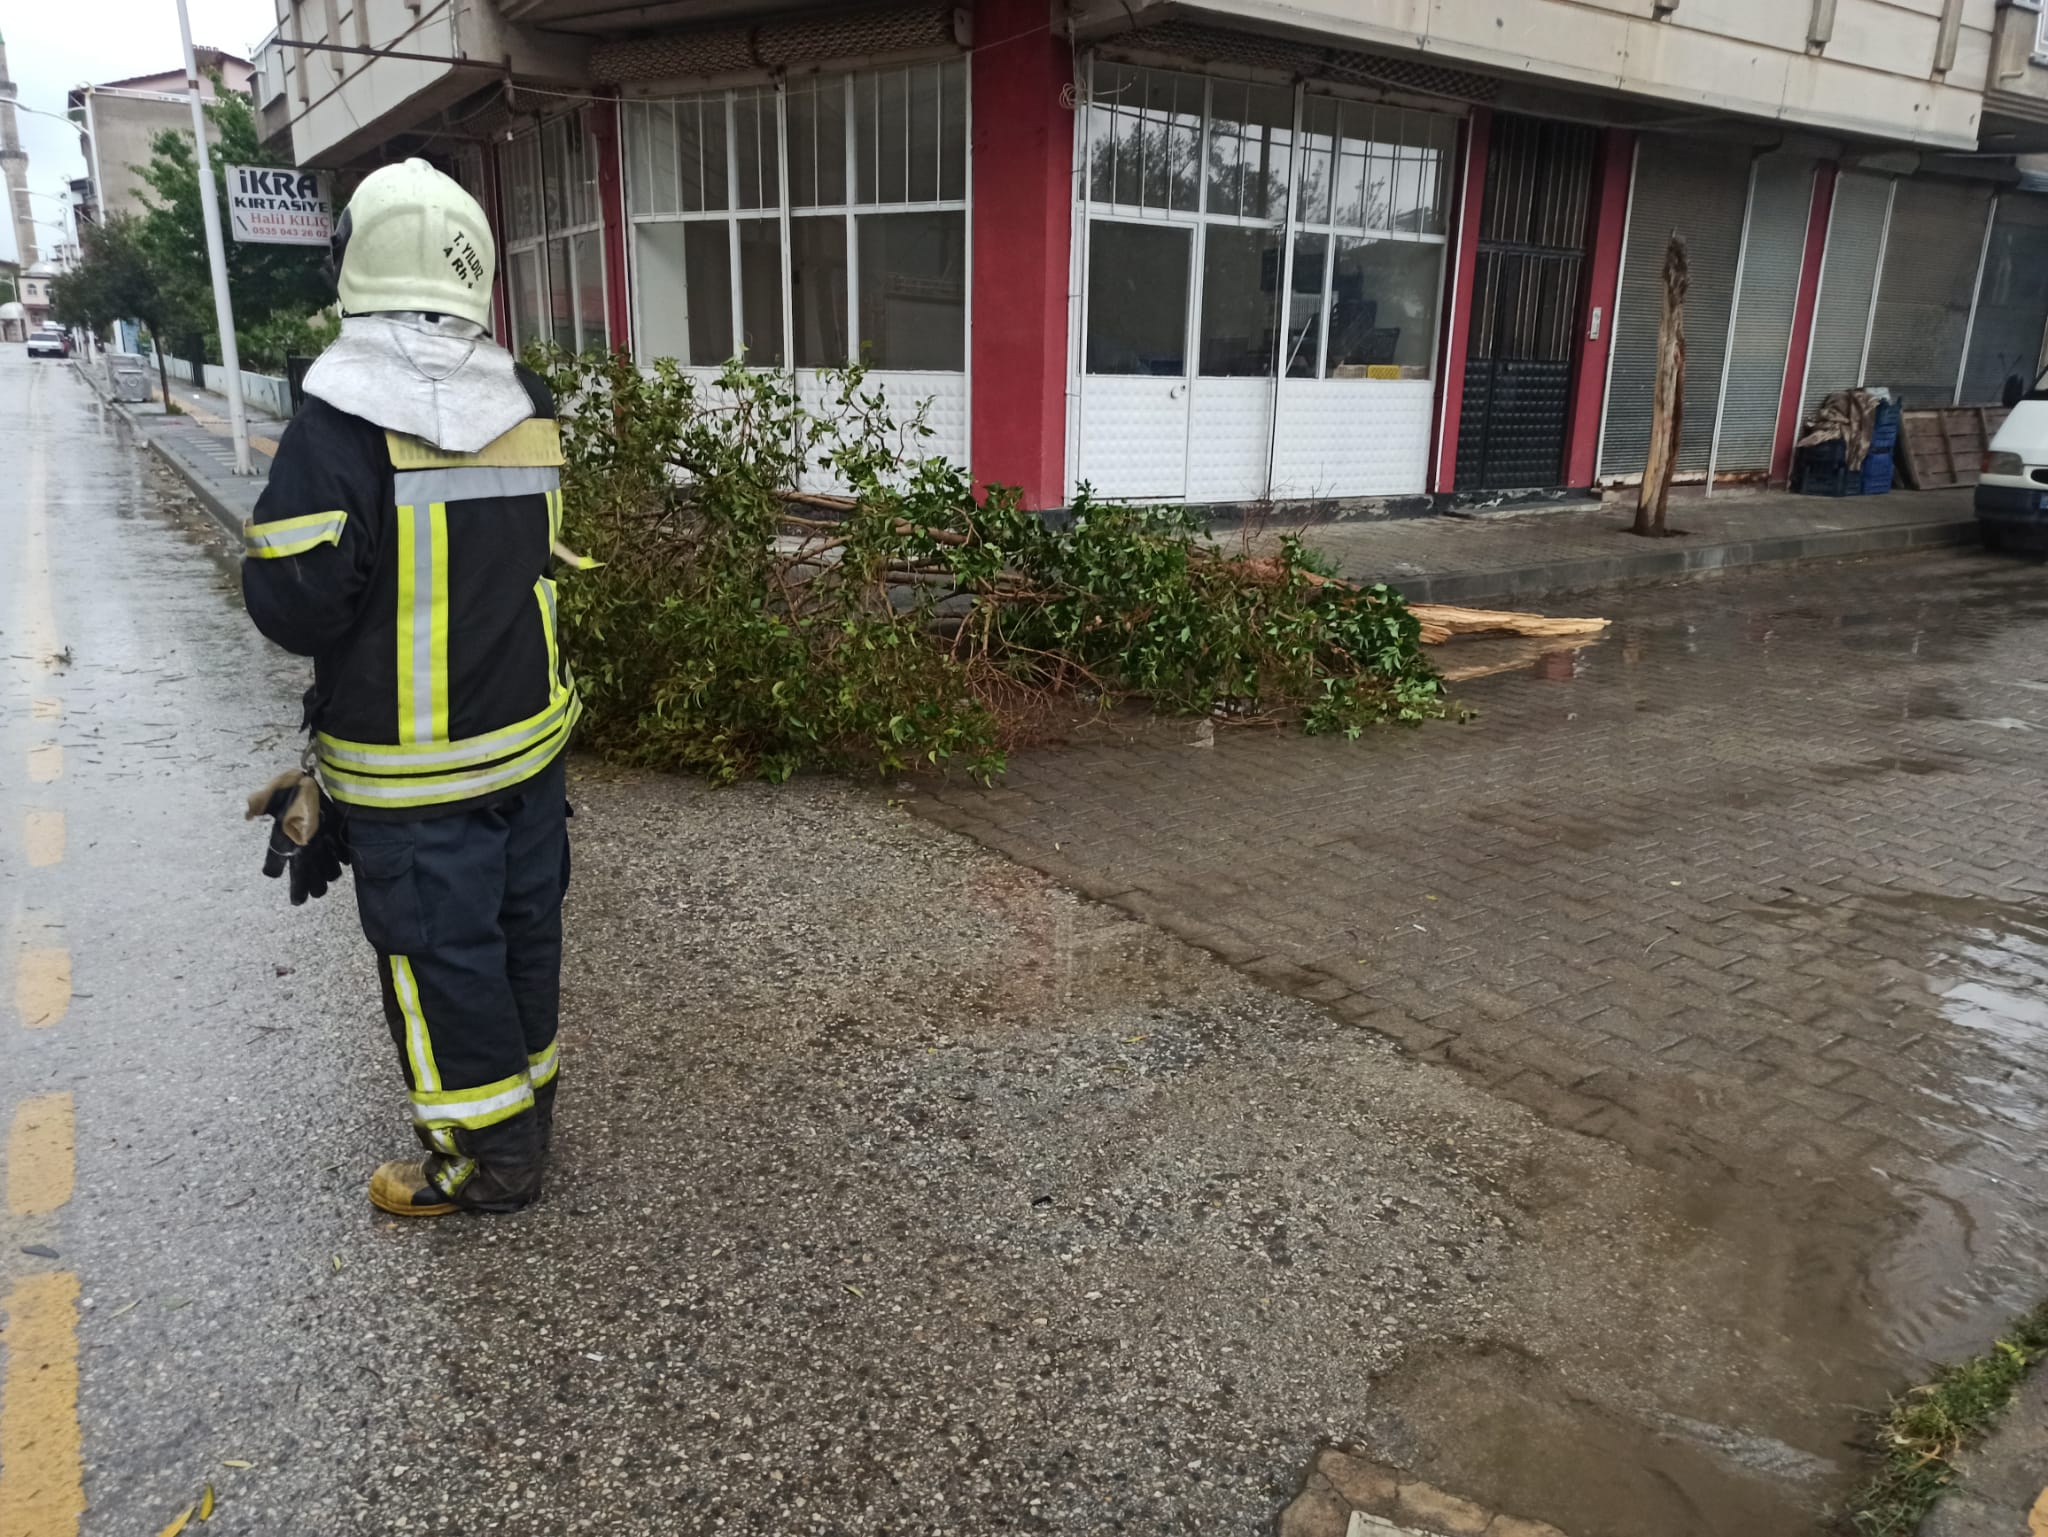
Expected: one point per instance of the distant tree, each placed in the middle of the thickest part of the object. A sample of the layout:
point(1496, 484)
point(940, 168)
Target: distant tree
point(8, 292)
point(264, 281)
point(117, 278)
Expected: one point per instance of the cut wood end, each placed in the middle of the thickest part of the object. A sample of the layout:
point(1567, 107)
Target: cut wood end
point(1441, 622)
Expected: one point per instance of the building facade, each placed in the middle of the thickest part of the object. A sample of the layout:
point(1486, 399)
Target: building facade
point(1243, 250)
point(35, 283)
point(118, 123)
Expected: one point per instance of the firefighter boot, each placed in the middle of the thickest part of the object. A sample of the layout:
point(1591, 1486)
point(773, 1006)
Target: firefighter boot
point(498, 1167)
point(403, 1188)
point(493, 1169)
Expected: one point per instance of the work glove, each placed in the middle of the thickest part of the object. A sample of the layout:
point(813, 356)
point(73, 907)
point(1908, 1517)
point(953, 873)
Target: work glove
point(306, 835)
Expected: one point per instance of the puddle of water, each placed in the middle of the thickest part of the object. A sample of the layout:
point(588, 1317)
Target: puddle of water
point(1976, 1251)
point(1571, 1460)
point(1698, 1345)
point(1548, 660)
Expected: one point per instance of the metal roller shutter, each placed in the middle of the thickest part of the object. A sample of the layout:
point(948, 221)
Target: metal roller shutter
point(1841, 319)
point(1781, 199)
point(1923, 299)
point(2012, 303)
point(1700, 193)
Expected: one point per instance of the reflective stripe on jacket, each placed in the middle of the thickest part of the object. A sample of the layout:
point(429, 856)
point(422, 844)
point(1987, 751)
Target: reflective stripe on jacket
point(418, 582)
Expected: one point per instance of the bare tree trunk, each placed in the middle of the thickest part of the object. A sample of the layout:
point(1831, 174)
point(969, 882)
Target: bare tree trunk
point(1667, 409)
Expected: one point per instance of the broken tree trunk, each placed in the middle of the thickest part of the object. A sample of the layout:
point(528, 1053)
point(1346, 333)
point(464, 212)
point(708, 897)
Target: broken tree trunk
point(1441, 622)
point(1667, 409)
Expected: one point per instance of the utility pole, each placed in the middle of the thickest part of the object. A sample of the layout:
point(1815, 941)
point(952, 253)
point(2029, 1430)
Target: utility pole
point(216, 254)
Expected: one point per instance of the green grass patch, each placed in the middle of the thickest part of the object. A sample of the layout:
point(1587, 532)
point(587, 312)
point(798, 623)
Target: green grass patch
point(1919, 1437)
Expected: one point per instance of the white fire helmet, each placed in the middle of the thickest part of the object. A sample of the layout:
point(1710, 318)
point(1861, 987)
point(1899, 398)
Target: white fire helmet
point(412, 239)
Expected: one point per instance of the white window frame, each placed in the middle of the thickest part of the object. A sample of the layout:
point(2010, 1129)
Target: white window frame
point(730, 215)
point(2038, 54)
point(1286, 222)
point(1332, 230)
point(784, 209)
point(1197, 219)
point(1283, 392)
point(587, 331)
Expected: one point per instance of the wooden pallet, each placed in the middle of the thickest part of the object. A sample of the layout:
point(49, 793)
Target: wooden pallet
point(1946, 447)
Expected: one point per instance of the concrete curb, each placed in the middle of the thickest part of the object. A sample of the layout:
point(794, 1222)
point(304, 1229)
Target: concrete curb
point(1677, 558)
point(1999, 1487)
point(210, 499)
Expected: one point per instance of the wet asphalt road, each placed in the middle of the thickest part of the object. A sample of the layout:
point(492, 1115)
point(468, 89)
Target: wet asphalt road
point(896, 1190)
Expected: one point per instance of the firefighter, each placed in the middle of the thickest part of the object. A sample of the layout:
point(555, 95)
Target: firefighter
point(404, 543)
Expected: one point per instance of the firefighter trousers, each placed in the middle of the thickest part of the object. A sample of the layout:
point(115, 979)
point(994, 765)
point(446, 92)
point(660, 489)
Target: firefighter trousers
point(465, 913)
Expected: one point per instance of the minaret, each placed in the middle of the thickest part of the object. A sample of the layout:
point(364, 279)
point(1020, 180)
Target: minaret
point(14, 164)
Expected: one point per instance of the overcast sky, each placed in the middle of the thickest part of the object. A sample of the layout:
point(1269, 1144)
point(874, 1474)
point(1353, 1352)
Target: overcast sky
point(52, 47)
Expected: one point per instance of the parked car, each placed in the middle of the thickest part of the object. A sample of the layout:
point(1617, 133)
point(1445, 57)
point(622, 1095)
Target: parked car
point(2012, 489)
point(49, 342)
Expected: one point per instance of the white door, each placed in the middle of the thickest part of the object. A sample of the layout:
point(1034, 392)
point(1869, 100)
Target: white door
point(1177, 386)
point(1135, 360)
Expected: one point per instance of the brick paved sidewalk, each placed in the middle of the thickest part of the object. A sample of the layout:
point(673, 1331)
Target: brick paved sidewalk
point(1753, 887)
point(1467, 559)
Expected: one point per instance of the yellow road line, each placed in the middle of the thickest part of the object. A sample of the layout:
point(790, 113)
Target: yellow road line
point(42, 1160)
point(46, 763)
point(46, 709)
point(43, 834)
point(42, 1466)
point(42, 986)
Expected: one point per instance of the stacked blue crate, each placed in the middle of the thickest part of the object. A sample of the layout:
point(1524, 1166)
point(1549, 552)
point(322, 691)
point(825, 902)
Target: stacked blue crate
point(1823, 470)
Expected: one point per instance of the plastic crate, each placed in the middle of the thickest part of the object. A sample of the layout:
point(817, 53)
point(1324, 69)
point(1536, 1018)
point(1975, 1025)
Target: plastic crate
point(1884, 430)
point(1877, 474)
point(1823, 470)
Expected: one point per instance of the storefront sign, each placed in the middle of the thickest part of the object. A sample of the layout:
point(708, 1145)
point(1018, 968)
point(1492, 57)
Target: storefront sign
point(270, 205)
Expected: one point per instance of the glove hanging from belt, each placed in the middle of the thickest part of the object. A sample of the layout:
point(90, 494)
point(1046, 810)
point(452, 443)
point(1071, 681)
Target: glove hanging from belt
point(306, 835)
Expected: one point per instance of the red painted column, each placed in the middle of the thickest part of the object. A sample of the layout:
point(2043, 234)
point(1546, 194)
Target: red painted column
point(1606, 221)
point(1023, 215)
point(603, 121)
point(1808, 301)
point(1450, 390)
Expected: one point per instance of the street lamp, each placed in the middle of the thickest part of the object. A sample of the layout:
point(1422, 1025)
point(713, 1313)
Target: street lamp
point(216, 253)
point(64, 118)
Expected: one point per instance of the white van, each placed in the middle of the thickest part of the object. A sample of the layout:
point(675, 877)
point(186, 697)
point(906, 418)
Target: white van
point(2012, 490)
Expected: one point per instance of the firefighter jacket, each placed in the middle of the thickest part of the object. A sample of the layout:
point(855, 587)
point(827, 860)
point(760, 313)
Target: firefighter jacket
point(418, 581)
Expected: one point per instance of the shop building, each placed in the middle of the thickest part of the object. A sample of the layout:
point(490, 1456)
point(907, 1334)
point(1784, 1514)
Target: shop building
point(1337, 249)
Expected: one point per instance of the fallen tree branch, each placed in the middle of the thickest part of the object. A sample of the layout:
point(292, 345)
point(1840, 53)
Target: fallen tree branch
point(1441, 622)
